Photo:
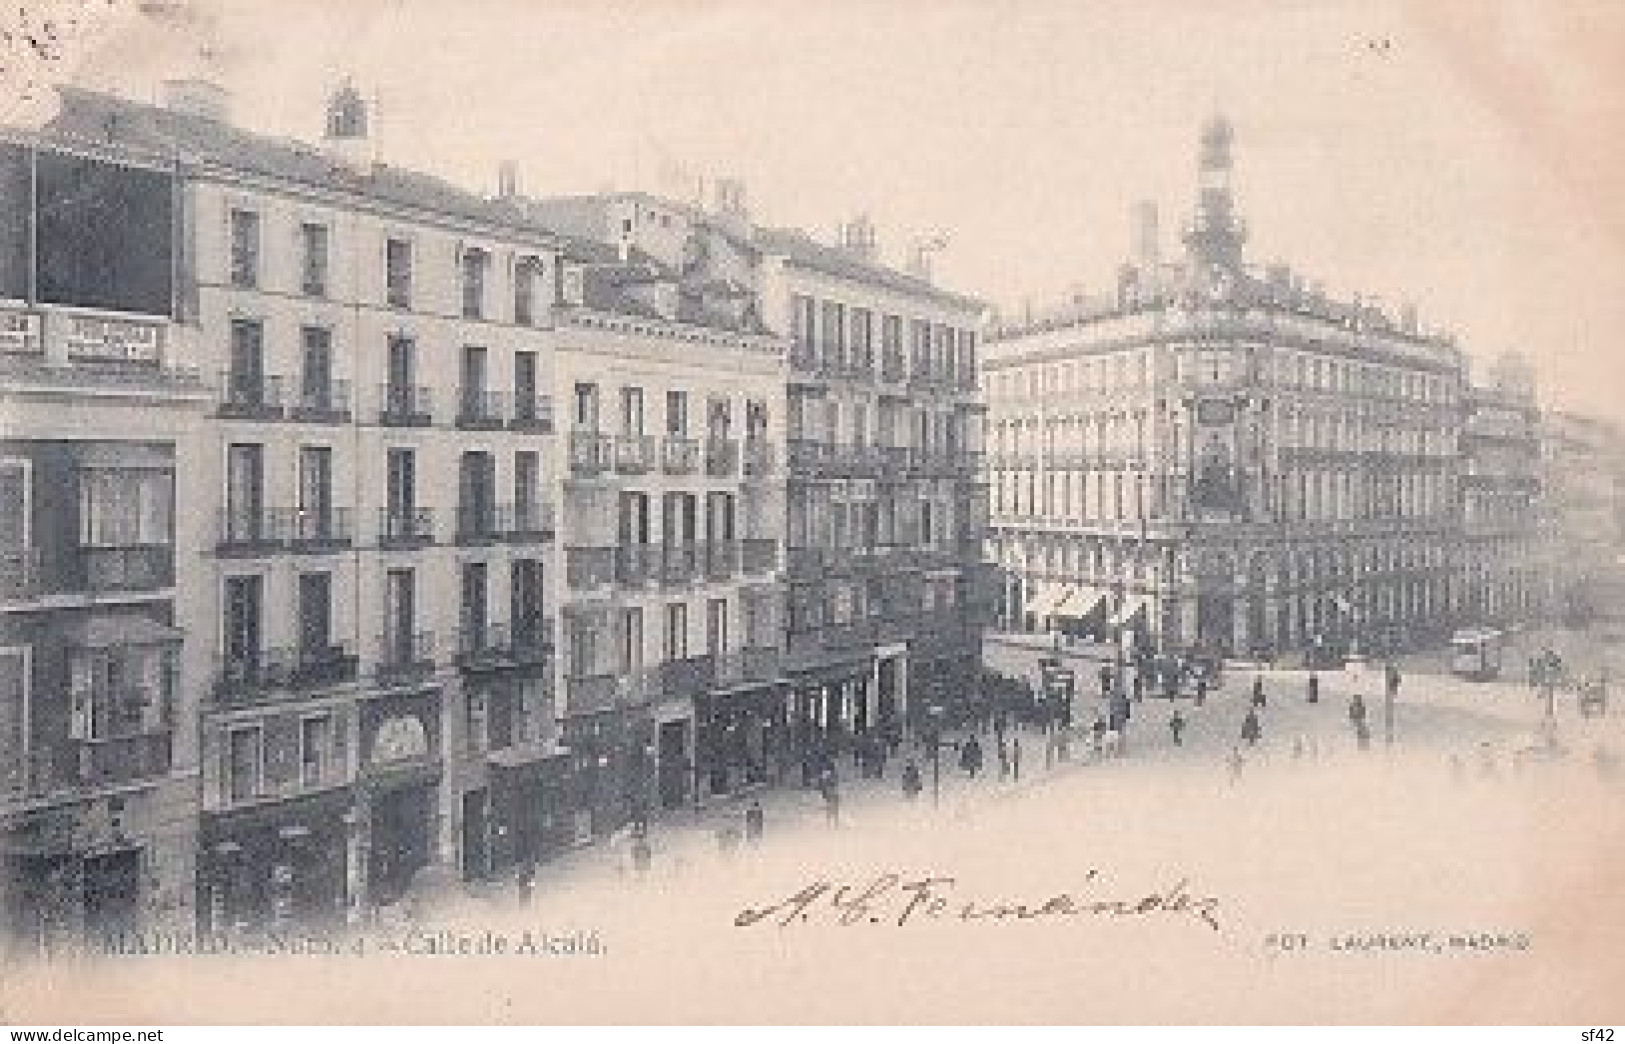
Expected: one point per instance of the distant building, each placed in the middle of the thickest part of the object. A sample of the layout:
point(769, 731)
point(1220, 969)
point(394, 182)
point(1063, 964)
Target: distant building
point(1225, 456)
point(1504, 568)
point(1583, 517)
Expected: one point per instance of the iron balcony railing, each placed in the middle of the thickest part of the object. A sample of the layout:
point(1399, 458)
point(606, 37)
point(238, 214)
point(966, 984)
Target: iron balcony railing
point(479, 523)
point(529, 521)
point(484, 646)
point(587, 568)
point(321, 530)
point(758, 458)
point(636, 564)
point(253, 676)
point(679, 563)
point(81, 763)
point(591, 453)
point(532, 413)
point(634, 454)
point(721, 458)
point(249, 396)
point(405, 405)
point(481, 410)
point(327, 402)
point(248, 533)
point(405, 527)
point(680, 456)
point(758, 555)
point(721, 559)
point(138, 567)
point(404, 657)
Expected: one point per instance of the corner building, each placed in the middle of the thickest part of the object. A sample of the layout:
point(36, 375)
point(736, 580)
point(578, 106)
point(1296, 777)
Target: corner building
point(1221, 455)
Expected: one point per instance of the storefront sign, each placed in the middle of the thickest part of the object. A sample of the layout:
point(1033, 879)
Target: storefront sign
point(115, 340)
point(20, 333)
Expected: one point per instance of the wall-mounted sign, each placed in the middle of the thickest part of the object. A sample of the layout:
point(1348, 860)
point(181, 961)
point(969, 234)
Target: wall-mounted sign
point(114, 340)
point(20, 333)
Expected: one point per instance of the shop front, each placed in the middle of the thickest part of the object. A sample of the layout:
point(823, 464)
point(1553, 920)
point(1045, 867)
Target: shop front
point(276, 864)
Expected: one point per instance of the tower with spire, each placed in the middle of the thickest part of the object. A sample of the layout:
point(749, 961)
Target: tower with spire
point(1216, 235)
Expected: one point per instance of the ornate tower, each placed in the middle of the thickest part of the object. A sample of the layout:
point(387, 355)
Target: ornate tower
point(1215, 236)
point(347, 135)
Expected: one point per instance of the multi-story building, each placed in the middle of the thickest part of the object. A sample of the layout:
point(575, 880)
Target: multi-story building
point(1222, 455)
point(1583, 515)
point(672, 513)
point(98, 756)
point(368, 631)
point(886, 499)
point(1504, 564)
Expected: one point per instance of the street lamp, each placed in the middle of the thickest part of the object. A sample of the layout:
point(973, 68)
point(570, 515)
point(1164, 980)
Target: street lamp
point(933, 731)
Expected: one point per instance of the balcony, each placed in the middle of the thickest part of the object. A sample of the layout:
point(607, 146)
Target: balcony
point(405, 406)
point(636, 564)
point(589, 568)
point(532, 640)
point(590, 453)
point(404, 659)
point(758, 458)
point(478, 524)
point(405, 528)
point(327, 403)
point(721, 559)
point(758, 556)
point(532, 413)
point(136, 567)
point(591, 694)
point(318, 666)
point(807, 457)
point(72, 764)
point(722, 458)
point(634, 454)
point(316, 532)
point(249, 396)
point(680, 456)
point(679, 563)
point(249, 534)
point(527, 523)
point(484, 647)
point(680, 679)
point(748, 666)
point(269, 673)
point(19, 574)
point(481, 410)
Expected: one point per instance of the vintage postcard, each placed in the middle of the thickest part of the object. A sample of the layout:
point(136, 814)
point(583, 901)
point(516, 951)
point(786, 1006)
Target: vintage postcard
point(863, 512)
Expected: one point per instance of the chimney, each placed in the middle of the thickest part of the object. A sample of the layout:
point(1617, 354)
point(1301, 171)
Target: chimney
point(858, 237)
point(201, 98)
point(508, 180)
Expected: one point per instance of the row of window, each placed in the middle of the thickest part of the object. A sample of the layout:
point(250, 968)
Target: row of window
point(631, 415)
point(246, 269)
point(842, 334)
point(594, 650)
point(1218, 367)
point(857, 422)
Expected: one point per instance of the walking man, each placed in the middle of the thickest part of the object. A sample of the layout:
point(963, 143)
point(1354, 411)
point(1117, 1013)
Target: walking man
point(1314, 687)
point(1251, 730)
point(1176, 725)
point(1258, 690)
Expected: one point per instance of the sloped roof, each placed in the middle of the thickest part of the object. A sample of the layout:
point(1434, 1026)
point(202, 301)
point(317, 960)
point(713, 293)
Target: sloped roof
point(97, 118)
point(801, 249)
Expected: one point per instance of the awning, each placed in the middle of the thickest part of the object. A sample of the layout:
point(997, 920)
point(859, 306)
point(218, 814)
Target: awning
point(1044, 602)
point(107, 632)
point(1132, 607)
point(1082, 602)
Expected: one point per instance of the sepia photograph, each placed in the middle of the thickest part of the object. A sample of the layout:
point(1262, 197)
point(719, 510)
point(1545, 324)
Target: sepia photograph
point(770, 513)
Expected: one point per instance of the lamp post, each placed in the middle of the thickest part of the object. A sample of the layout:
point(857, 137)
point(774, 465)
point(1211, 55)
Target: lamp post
point(933, 732)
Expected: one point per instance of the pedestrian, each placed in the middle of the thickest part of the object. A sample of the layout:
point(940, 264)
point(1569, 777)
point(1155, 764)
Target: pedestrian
point(970, 757)
point(1356, 710)
point(1176, 725)
point(1362, 734)
point(1250, 728)
point(1004, 757)
point(1098, 732)
point(753, 822)
point(1314, 687)
point(1393, 679)
point(911, 781)
point(1139, 684)
point(1236, 763)
point(526, 880)
point(832, 803)
point(1258, 690)
point(1105, 681)
point(1015, 758)
point(1297, 748)
point(1201, 687)
point(642, 855)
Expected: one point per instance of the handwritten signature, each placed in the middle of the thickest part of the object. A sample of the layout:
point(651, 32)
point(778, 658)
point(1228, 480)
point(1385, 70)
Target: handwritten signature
point(895, 899)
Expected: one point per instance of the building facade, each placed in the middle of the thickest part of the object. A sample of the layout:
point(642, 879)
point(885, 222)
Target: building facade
point(1582, 516)
point(1222, 455)
point(886, 507)
point(1504, 565)
point(98, 756)
point(671, 516)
